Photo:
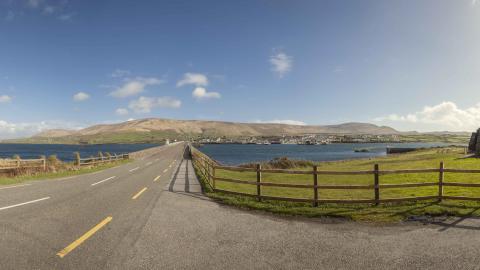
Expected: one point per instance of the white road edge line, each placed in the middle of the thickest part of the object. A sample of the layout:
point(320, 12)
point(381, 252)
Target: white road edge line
point(15, 186)
point(25, 203)
point(104, 180)
point(134, 169)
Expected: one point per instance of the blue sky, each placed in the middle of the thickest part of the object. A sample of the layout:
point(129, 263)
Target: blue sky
point(410, 64)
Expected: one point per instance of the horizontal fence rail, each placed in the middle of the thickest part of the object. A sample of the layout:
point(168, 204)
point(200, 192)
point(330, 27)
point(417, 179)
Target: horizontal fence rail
point(13, 164)
point(99, 160)
point(17, 163)
point(208, 167)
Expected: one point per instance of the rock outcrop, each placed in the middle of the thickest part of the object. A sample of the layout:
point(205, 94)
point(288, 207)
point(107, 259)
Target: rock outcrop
point(474, 145)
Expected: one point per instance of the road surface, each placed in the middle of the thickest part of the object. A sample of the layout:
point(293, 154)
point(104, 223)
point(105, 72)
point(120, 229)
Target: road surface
point(150, 214)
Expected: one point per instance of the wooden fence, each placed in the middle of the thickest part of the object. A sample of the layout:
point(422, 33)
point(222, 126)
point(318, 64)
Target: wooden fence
point(91, 161)
point(17, 163)
point(207, 167)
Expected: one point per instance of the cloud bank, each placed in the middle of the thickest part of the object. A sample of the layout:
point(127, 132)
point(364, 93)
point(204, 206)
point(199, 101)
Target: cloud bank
point(444, 116)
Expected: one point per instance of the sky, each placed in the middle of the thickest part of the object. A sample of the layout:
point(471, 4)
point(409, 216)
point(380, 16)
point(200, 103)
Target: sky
point(408, 64)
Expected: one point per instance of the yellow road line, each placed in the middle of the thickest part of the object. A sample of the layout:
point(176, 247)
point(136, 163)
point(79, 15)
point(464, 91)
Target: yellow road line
point(165, 170)
point(156, 178)
point(139, 193)
point(83, 238)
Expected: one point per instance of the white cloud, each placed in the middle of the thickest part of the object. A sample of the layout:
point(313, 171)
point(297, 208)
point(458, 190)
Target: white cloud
point(17, 130)
point(5, 99)
point(146, 104)
point(444, 116)
point(81, 96)
point(121, 111)
point(120, 73)
point(49, 10)
point(134, 87)
point(281, 63)
point(66, 17)
point(474, 2)
point(10, 16)
point(34, 3)
point(285, 122)
point(196, 79)
point(201, 93)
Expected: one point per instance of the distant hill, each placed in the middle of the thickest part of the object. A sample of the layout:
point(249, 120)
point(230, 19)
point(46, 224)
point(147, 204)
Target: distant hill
point(55, 133)
point(156, 130)
point(182, 127)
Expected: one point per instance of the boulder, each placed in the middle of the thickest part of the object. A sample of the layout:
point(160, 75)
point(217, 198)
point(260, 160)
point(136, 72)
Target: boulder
point(473, 143)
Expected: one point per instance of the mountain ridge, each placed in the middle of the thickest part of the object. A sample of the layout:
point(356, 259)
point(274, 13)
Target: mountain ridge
point(217, 128)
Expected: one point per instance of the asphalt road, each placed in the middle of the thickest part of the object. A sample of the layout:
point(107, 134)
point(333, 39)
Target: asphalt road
point(130, 218)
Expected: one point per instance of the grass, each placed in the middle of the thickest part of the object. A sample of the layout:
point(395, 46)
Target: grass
point(59, 174)
point(422, 159)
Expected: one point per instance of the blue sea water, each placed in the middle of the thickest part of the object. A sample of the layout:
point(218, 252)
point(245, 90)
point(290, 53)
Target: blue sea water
point(235, 154)
point(65, 151)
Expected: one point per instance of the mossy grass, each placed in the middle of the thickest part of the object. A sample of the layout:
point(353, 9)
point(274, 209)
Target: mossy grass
point(422, 159)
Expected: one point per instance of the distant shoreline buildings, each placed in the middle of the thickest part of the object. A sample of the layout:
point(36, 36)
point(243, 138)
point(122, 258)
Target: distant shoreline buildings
point(311, 139)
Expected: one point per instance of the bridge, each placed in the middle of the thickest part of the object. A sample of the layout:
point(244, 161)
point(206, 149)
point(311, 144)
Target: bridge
point(151, 214)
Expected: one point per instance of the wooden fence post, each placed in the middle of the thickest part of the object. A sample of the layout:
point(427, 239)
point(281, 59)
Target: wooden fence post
point(213, 178)
point(376, 184)
point(77, 158)
point(440, 181)
point(205, 168)
point(315, 188)
point(44, 163)
point(259, 180)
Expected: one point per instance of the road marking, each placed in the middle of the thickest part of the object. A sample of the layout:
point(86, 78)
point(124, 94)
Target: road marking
point(165, 170)
point(65, 178)
point(25, 203)
point(15, 186)
point(139, 193)
point(149, 163)
point(156, 178)
point(104, 180)
point(83, 238)
point(134, 169)
point(157, 159)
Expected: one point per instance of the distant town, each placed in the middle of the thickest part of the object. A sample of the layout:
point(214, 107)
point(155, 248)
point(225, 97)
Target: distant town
point(313, 139)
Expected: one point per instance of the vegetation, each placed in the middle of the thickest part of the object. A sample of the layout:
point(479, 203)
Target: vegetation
point(57, 169)
point(445, 138)
point(422, 159)
point(282, 163)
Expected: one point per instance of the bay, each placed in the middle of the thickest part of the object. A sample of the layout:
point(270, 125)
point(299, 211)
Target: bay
point(235, 154)
point(65, 152)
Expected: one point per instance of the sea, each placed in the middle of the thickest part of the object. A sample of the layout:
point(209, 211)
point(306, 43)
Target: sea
point(236, 154)
point(66, 152)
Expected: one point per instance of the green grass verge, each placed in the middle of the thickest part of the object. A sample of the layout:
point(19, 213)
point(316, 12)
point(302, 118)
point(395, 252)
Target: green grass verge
point(60, 174)
point(453, 158)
